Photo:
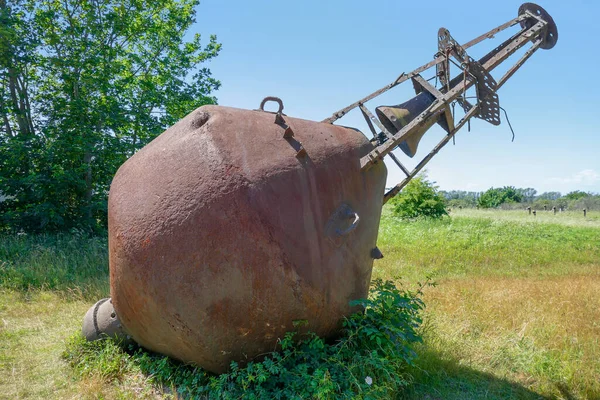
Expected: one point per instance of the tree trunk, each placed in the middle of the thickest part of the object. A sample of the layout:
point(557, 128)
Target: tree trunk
point(87, 160)
point(5, 118)
point(18, 102)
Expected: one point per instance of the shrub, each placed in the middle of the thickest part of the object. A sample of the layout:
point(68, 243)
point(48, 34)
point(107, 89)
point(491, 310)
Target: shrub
point(368, 361)
point(462, 203)
point(494, 197)
point(420, 198)
point(576, 195)
point(590, 202)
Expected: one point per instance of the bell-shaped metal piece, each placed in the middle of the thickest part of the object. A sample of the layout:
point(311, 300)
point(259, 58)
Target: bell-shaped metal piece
point(394, 118)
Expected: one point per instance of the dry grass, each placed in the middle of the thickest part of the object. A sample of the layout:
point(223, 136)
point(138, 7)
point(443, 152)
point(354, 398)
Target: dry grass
point(34, 328)
point(541, 333)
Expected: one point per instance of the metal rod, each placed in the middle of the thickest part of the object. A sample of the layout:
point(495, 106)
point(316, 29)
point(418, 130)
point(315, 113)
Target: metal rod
point(433, 90)
point(365, 113)
point(368, 114)
point(519, 63)
point(404, 77)
point(516, 45)
point(399, 164)
point(501, 46)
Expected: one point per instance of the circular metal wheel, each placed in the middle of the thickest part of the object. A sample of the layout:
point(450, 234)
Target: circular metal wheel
point(550, 37)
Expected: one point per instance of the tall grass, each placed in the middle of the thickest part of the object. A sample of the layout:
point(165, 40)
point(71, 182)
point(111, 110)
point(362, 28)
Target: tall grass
point(73, 264)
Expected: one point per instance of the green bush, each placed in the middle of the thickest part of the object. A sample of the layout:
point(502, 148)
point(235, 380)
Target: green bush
point(576, 195)
point(420, 198)
point(494, 197)
point(589, 202)
point(369, 361)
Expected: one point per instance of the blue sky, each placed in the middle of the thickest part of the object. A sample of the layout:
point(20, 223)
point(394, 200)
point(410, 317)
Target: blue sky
point(320, 56)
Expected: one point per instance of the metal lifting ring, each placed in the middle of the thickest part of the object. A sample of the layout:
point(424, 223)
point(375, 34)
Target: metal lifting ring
point(272, 98)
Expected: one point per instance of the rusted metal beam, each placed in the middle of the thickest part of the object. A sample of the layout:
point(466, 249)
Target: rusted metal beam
point(370, 118)
point(399, 164)
point(438, 106)
point(519, 63)
point(404, 77)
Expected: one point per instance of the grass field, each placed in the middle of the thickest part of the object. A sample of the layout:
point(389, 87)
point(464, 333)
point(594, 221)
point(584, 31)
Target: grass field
point(515, 313)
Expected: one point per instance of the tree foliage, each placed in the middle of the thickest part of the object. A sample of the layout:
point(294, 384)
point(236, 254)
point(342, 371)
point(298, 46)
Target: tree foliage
point(526, 195)
point(420, 198)
point(518, 198)
point(84, 84)
point(553, 196)
point(576, 195)
point(494, 197)
point(460, 198)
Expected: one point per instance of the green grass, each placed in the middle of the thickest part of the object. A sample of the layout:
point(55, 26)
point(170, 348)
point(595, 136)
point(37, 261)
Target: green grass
point(570, 218)
point(516, 309)
point(72, 264)
point(515, 313)
point(472, 243)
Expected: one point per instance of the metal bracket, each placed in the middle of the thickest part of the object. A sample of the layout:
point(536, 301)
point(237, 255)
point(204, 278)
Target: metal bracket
point(486, 86)
point(288, 132)
point(421, 84)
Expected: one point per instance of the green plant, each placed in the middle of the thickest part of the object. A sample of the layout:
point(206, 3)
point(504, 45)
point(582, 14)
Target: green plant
point(494, 197)
point(576, 195)
point(74, 263)
point(368, 361)
point(420, 198)
point(83, 86)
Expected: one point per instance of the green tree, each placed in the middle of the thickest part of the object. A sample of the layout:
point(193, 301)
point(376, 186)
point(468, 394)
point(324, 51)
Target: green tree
point(549, 196)
point(576, 195)
point(84, 84)
point(494, 197)
point(460, 198)
point(527, 195)
point(420, 198)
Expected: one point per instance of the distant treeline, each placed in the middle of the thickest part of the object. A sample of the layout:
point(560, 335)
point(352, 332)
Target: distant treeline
point(510, 197)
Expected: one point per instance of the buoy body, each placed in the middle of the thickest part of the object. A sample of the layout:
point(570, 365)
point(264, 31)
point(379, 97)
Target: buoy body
point(228, 228)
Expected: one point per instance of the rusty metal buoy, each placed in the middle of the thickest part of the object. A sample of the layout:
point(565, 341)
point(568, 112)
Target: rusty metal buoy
point(233, 225)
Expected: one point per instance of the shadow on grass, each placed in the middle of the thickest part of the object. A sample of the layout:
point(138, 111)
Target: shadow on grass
point(437, 378)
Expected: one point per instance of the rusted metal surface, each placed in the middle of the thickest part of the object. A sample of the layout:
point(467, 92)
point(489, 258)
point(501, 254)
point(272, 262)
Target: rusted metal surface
point(221, 237)
point(550, 35)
